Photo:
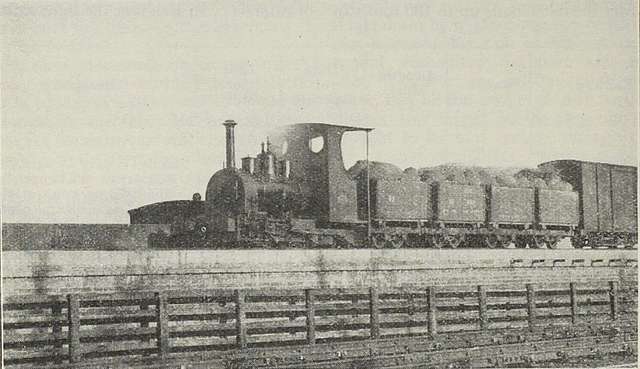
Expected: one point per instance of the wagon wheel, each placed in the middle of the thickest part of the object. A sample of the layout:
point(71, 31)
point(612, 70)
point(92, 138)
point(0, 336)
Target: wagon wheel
point(552, 242)
point(631, 242)
point(311, 241)
point(521, 242)
point(491, 241)
point(396, 241)
point(423, 241)
point(537, 242)
point(504, 241)
point(454, 240)
point(577, 242)
point(438, 241)
point(343, 242)
point(377, 241)
point(413, 241)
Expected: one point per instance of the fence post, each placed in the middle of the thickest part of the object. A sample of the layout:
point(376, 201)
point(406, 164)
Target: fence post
point(531, 305)
point(56, 311)
point(613, 299)
point(373, 311)
point(162, 327)
point(482, 307)
point(144, 307)
point(311, 316)
point(574, 302)
point(432, 308)
point(73, 313)
point(241, 335)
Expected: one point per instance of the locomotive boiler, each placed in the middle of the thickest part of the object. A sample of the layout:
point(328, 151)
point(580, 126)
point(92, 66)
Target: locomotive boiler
point(296, 192)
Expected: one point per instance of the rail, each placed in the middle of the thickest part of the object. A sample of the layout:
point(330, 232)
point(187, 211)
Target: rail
point(78, 328)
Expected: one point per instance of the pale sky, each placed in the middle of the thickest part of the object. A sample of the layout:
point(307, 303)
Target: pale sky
point(107, 106)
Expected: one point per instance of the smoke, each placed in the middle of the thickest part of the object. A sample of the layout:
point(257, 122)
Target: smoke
point(465, 174)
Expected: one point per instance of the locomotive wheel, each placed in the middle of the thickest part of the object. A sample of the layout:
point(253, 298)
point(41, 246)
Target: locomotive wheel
point(521, 242)
point(200, 231)
point(537, 242)
point(454, 241)
point(157, 240)
point(438, 241)
point(271, 242)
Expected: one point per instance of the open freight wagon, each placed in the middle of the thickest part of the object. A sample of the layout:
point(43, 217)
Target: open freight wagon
point(446, 214)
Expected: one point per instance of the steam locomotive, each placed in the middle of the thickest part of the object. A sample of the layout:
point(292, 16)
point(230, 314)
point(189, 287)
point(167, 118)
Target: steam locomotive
point(297, 193)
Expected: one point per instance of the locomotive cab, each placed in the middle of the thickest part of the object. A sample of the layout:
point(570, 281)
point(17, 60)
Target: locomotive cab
point(315, 153)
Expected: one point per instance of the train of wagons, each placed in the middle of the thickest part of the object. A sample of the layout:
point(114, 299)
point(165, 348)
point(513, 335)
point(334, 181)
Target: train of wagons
point(297, 193)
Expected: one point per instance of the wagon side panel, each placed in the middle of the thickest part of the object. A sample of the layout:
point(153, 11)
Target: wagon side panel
point(402, 200)
point(558, 207)
point(460, 203)
point(624, 182)
point(511, 205)
point(605, 213)
point(589, 197)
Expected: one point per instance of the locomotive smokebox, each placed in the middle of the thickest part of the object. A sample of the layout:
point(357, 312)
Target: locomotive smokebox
point(231, 145)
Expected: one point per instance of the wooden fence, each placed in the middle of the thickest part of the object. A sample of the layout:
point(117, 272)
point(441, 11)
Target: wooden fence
point(79, 328)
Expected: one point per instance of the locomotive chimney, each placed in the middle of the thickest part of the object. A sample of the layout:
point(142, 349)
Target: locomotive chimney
point(231, 150)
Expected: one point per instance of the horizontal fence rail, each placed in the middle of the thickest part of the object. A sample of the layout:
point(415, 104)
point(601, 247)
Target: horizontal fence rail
point(81, 327)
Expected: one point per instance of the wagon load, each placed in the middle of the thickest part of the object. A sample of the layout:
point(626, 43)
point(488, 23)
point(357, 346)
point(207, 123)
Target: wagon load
point(377, 169)
point(502, 177)
point(547, 178)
